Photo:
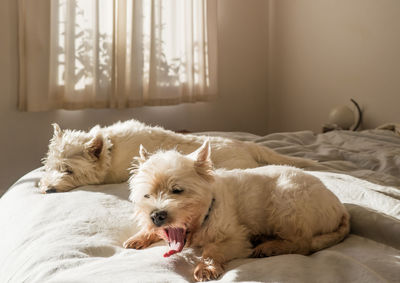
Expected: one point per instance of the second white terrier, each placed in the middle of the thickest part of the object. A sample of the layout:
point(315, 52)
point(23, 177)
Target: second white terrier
point(258, 212)
point(103, 155)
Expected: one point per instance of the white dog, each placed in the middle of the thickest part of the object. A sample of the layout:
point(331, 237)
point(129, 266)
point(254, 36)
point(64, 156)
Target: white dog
point(265, 211)
point(104, 155)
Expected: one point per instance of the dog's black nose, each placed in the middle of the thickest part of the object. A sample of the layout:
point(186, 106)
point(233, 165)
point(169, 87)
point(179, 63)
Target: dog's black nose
point(158, 217)
point(51, 190)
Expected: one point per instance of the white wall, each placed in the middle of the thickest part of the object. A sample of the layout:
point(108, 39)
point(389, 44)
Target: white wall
point(325, 52)
point(241, 106)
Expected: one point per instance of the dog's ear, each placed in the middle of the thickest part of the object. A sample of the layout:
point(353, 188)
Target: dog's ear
point(57, 132)
point(94, 130)
point(202, 161)
point(143, 154)
point(139, 160)
point(95, 146)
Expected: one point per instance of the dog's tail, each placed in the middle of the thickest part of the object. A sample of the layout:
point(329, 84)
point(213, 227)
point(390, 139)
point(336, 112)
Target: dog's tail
point(326, 240)
point(267, 156)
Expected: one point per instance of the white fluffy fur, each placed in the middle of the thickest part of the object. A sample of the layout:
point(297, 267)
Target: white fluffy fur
point(282, 208)
point(103, 155)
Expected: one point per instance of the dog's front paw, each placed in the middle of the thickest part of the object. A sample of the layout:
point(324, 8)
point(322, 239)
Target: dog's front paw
point(137, 243)
point(207, 271)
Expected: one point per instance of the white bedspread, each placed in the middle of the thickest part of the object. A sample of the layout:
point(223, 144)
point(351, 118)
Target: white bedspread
point(77, 236)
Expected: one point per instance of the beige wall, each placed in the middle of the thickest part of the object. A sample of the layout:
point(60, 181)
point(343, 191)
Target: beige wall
point(283, 65)
point(241, 106)
point(325, 52)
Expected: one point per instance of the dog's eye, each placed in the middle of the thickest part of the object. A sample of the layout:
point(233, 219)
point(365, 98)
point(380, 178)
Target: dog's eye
point(177, 191)
point(147, 196)
point(68, 172)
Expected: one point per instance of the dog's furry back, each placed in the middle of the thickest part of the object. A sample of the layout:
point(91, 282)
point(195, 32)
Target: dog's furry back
point(291, 201)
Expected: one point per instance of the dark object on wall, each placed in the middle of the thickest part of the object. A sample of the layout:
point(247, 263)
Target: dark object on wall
point(359, 116)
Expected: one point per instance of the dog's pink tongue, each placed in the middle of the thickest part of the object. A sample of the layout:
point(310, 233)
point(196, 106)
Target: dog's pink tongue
point(176, 241)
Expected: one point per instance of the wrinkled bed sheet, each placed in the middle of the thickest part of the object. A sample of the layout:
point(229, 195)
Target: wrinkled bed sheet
point(77, 236)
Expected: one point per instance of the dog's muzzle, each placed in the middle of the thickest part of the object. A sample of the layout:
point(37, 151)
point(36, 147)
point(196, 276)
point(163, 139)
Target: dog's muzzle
point(159, 217)
point(51, 190)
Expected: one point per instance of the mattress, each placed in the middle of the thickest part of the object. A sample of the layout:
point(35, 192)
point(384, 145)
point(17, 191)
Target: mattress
point(77, 236)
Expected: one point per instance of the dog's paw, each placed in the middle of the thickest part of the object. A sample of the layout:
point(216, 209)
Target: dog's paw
point(259, 252)
point(206, 272)
point(264, 250)
point(136, 243)
point(279, 247)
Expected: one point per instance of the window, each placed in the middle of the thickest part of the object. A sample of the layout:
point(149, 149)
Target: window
point(118, 54)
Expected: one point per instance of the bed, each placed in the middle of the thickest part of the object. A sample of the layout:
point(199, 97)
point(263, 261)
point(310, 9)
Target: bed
point(77, 236)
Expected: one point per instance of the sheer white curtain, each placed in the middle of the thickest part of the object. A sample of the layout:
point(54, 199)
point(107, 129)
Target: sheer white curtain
point(78, 54)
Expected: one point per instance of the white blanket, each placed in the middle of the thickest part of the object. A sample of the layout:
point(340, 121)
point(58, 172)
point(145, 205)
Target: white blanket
point(77, 236)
